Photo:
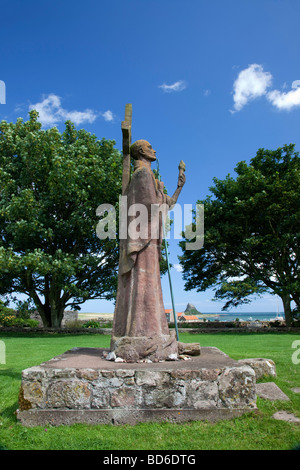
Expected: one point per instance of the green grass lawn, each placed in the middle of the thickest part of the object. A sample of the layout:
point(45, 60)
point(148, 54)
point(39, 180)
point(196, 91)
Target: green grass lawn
point(254, 431)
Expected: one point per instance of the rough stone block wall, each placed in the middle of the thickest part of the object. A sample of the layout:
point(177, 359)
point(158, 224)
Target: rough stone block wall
point(88, 389)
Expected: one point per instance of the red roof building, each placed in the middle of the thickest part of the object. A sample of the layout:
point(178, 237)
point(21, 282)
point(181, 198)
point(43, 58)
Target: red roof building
point(188, 318)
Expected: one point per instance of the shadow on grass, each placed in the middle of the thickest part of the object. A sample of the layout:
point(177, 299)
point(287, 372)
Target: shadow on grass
point(10, 412)
point(10, 373)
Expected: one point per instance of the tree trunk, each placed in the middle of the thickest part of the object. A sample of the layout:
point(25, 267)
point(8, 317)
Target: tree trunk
point(57, 305)
point(51, 314)
point(52, 311)
point(45, 315)
point(43, 309)
point(297, 301)
point(57, 313)
point(286, 300)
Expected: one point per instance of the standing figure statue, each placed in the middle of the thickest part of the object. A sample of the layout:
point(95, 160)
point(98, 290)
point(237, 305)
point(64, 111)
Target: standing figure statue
point(140, 328)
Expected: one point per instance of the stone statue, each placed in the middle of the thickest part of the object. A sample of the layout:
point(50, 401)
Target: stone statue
point(140, 327)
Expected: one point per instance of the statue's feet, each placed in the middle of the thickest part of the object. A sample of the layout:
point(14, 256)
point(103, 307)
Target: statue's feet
point(137, 348)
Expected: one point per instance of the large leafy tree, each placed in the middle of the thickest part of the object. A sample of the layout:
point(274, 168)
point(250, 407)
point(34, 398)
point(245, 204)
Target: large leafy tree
point(50, 187)
point(252, 233)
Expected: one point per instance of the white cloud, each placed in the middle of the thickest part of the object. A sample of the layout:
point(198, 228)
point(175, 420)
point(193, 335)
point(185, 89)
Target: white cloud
point(108, 115)
point(177, 86)
point(251, 83)
point(285, 101)
point(51, 112)
point(178, 268)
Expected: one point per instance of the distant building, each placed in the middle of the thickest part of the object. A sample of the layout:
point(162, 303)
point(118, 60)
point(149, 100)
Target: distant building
point(170, 316)
point(188, 318)
point(169, 313)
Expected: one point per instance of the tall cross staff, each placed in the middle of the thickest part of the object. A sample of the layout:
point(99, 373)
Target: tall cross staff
point(126, 131)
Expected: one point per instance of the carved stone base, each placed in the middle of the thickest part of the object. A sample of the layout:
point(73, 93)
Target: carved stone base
point(154, 348)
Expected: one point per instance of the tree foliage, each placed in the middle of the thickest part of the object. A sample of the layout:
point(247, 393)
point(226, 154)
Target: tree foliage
point(252, 232)
point(50, 187)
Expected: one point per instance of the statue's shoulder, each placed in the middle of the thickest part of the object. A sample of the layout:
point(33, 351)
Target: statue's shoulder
point(143, 181)
point(143, 173)
point(141, 170)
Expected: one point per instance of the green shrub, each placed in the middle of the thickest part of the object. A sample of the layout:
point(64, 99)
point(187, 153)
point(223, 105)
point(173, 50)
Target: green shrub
point(6, 310)
point(29, 322)
point(91, 324)
point(24, 309)
point(9, 319)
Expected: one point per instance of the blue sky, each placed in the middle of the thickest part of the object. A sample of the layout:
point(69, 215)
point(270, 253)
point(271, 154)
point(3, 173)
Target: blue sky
point(210, 82)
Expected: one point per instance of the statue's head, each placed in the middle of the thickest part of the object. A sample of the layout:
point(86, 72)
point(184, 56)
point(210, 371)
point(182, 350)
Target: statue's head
point(141, 149)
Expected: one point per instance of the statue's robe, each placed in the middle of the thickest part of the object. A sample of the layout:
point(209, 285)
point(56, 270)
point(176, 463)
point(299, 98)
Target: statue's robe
point(139, 307)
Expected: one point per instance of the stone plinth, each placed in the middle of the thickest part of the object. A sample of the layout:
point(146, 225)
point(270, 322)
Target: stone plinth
point(81, 386)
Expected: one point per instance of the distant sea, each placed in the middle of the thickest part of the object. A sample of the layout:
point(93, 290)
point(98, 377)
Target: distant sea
point(243, 316)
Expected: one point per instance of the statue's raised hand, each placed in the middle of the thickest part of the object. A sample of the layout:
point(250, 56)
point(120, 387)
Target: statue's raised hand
point(181, 180)
point(181, 177)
